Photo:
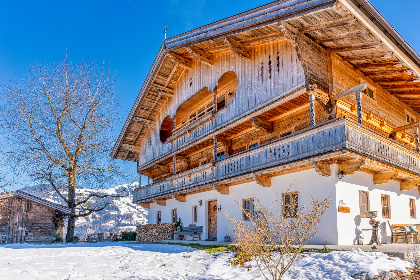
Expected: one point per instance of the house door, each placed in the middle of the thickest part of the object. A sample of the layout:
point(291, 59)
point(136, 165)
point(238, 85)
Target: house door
point(212, 222)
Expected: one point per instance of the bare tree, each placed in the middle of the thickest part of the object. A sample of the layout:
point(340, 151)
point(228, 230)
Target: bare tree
point(274, 235)
point(59, 123)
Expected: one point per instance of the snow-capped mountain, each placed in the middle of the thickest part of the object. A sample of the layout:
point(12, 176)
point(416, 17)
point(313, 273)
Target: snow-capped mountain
point(121, 214)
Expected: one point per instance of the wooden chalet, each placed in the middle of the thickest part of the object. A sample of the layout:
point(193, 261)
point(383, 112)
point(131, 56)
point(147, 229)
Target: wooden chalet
point(323, 93)
point(25, 218)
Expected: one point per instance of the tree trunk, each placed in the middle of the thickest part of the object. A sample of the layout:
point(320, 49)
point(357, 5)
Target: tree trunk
point(70, 228)
point(71, 198)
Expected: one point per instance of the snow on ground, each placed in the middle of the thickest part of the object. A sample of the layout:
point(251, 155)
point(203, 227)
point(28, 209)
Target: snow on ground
point(160, 261)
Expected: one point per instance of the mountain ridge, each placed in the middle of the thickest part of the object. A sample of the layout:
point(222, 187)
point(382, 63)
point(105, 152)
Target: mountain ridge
point(121, 214)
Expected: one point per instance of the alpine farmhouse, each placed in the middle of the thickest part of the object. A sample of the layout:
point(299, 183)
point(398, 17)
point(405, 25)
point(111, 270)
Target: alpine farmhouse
point(304, 97)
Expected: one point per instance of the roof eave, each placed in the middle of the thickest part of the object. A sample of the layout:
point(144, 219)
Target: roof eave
point(236, 23)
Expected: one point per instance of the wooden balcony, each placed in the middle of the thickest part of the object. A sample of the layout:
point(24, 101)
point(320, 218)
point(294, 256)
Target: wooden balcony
point(339, 136)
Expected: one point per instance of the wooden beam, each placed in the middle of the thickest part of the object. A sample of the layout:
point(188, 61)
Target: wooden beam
point(344, 35)
point(360, 87)
point(405, 127)
point(377, 66)
point(328, 24)
point(180, 197)
point(227, 142)
point(404, 91)
point(145, 205)
point(163, 88)
point(383, 79)
point(389, 72)
point(165, 93)
point(162, 167)
point(144, 122)
point(263, 38)
point(201, 55)
point(367, 56)
point(161, 202)
point(350, 166)
point(239, 49)
point(407, 185)
point(383, 177)
point(356, 47)
point(183, 61)
point(322, 167)
point(223, 189)
point(262, 180)
point(401, 87)
point(131, 147)
point(414, 83)
point(262, 124)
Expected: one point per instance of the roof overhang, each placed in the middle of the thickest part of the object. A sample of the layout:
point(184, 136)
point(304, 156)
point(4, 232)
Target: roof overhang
point(173, 57)
point(59, 207)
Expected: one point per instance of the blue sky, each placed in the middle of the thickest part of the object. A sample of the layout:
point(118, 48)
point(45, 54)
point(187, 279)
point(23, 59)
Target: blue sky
point(128, 33)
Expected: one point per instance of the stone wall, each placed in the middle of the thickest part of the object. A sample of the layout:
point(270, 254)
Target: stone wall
point(155, 232)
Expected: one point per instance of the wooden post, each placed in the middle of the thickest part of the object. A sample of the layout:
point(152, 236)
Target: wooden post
point(416, 137)
point(312, 107)
point(330, 74)
point(215, 98)
point(214, 149)
point(359, 106)
point(174, 165)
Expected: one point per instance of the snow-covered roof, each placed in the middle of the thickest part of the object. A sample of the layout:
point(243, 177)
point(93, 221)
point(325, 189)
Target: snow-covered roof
point(56, 206)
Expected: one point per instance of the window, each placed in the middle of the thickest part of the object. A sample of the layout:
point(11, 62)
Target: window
point(192, 117)
point(410, 119)
point(248, 208)
point(158, 217)
point(194, 213)
point(220, 102)
point(369, 93)
point(363, 203)
point(204, 162)
point(385, 206)
point(412, 204)
point(174, 216)
point(220, 155)
point(290, 204)
point(253, 145)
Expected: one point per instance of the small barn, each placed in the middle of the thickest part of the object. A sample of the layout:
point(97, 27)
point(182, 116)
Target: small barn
point(25, 218)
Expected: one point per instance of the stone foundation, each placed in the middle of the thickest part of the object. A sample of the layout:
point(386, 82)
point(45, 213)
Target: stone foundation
point(155, 232)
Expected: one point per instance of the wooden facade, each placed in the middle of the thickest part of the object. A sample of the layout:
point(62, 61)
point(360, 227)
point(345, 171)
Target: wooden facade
point(288, 86)
point(25, 218)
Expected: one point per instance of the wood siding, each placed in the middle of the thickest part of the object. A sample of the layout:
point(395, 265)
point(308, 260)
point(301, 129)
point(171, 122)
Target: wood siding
point(23, 220)
point(259, 80)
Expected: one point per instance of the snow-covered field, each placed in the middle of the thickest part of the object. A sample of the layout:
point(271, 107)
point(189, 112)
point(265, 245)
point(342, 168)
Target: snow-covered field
point(151, 261)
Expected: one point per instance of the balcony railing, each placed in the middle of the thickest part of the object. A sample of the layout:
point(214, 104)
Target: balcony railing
point(322, 139)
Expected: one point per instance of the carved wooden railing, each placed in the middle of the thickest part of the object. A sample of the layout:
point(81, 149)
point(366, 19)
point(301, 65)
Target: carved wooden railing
point(340, 134)
point(175, 183)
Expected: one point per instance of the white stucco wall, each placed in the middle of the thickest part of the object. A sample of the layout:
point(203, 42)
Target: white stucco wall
point(350, 224)
point(306, 182)
point(335, 227)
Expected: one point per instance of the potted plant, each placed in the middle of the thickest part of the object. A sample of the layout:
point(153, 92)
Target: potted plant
point(178, 225)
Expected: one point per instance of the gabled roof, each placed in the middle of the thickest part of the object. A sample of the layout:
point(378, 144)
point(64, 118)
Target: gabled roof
point(56, 206)
point(176, 55)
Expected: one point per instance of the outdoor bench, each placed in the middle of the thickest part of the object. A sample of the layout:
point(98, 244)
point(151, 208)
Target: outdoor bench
point(404, 231)
point(195, 231)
